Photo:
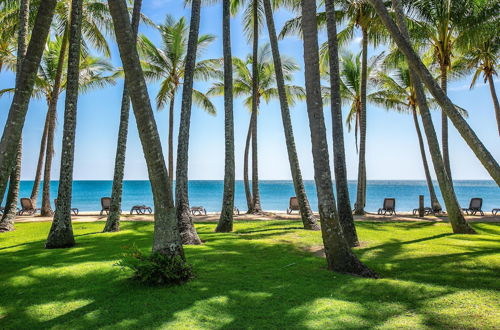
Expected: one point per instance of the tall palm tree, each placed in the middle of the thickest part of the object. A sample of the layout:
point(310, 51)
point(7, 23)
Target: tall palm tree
point(306, 213)
point(166, 238)
point(167, 64)
point(61, 231)
point(442, 24)
point(397, 93)
point(24, 83)
point(10, 211)
point(225, 223)
point(484, 58)
point(484, 156)
point(95, 18)
point(338, 252)
point(113, 220)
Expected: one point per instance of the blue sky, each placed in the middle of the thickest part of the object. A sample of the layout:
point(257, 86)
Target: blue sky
point(392, 148)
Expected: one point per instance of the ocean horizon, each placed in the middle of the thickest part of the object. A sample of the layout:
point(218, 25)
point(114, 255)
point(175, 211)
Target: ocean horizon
point(275, 194)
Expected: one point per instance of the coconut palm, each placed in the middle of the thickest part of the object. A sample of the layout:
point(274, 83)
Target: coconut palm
point(166, 238)
point(167, 64)
point(337, 250)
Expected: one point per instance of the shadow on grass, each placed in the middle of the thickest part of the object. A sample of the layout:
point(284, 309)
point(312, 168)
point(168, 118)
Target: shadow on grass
point(250, 283)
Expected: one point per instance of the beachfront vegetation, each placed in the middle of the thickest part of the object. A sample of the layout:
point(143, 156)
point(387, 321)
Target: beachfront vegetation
point(262, 275)
point(444, 30)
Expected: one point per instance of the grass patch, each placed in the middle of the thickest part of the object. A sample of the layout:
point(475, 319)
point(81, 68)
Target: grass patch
point(261, 276)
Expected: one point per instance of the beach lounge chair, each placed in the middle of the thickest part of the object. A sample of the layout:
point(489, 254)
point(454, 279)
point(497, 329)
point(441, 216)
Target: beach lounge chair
point(105, 204)
point(198, 210)
point(475, 206)
point(74, 210)
point(495, 211)
point(141, 209)
point(27, 207)
point(389, 206)
point(294, 205)
point(236, 211)
point(435, 209)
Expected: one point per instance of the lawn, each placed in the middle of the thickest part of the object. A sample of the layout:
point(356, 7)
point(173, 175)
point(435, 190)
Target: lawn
point(261, 276)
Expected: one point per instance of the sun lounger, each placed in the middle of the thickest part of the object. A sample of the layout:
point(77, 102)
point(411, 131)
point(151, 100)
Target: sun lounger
point(236, 211)
point(141, 209)
point(475, 206)
point(389, 206)
point(74, 210)
point(436, 209)
point(198, 210)
point(294, 205)
point(105, 205)
point(495, 211)
point(27, 207)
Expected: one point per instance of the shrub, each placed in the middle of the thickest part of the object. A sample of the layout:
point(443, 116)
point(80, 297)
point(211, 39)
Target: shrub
point(156, 268)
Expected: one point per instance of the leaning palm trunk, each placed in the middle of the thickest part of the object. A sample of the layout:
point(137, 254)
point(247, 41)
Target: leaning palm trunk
point(248, 192)
point(495, 101)
point(39, 167)
point(444, 122)
point(186, 227)
point(484, 156)
point(46, 209)
point(25, 81)
point(338, 252)
point(166, 238)
point(306, 213)
point(113, 221)
point(432, 193)
point(61, 231)
point(455, 214)
point(343, 200)
point(256, 207)
point(226, 216)
point(359, 207)
point(9, 215)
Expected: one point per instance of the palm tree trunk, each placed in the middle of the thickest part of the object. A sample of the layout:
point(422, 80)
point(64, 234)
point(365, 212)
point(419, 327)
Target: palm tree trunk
point(495, 101)
point(338, 252)
point(484, 156)
point(186, 227)
point(226, 216)
point(340, 169)
point(171, 140)
point(359, 207)
point(255, 109)
point(455, 215)
point(46, 210)
point(432, 193)
point(248, 192)
point(444, 123)
point(25, 81)
point(306, 213)
point(113, 221)
point(166, 238)
point(61, 231)
point(10, 212)
point(39, 167)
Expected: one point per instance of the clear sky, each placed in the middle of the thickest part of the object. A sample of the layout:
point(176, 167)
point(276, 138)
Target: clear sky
point(392, 148)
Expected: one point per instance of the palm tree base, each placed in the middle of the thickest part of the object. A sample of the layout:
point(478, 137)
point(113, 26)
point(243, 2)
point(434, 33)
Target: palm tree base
point(59, 239)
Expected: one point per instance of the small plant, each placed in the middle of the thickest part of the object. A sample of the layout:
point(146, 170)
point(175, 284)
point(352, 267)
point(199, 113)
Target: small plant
point(156, 268)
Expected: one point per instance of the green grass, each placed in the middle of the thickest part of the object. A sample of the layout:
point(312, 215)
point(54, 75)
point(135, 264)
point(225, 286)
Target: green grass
point(258, 277)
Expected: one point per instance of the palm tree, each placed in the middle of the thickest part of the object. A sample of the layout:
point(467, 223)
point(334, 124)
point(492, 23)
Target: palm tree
point(483, 57)
point(338, 252)
point(166, 238)
point(225, 223)
point(167, 65)
point(24, 85)
point(95, 17)
point(484, 156)
point(113, 221)
point(397, 93)
point(306, 213)
point(61, 231)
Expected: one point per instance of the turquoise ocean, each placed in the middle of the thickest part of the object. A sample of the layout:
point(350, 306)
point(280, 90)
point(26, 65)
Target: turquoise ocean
point(274, 194)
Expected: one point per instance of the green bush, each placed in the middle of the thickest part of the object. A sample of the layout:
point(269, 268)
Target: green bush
point(156, 268)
